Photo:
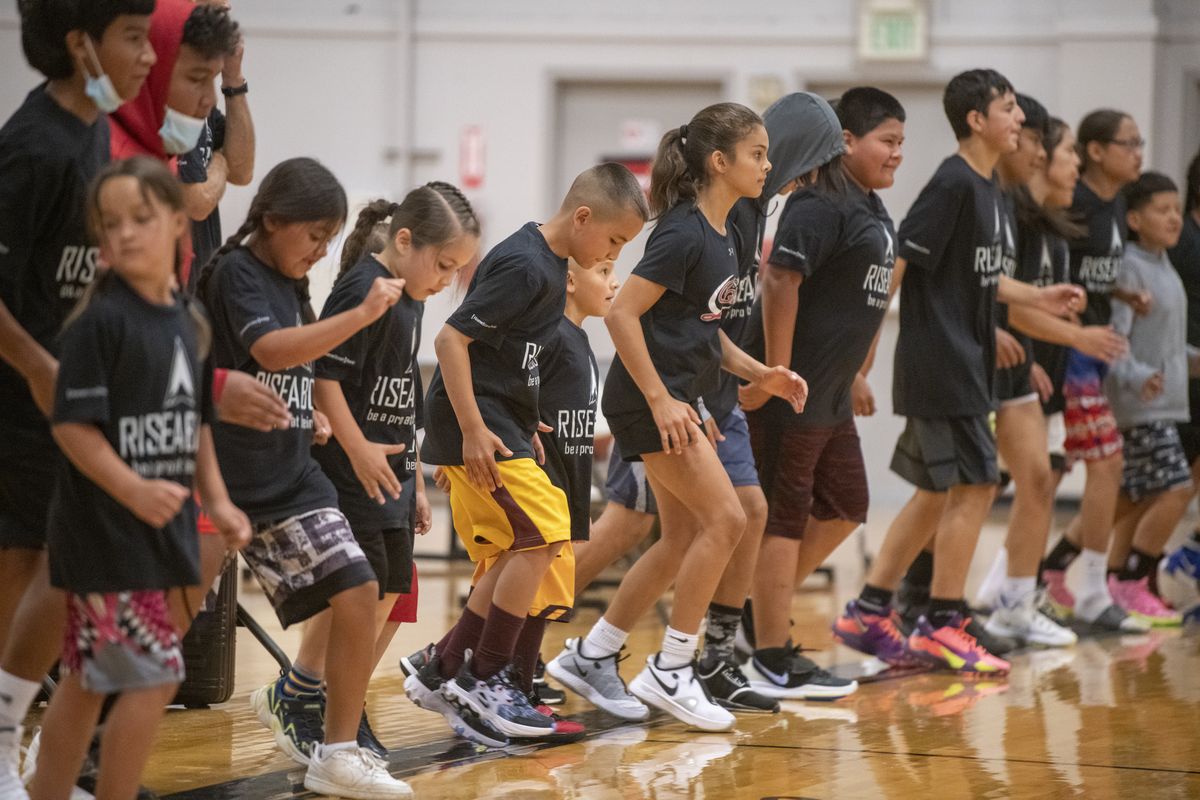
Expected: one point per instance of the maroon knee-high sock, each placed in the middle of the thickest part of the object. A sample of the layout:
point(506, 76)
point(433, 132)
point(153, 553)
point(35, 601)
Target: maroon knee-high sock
point(497, 642)
point(462, 637)
point(525, 656)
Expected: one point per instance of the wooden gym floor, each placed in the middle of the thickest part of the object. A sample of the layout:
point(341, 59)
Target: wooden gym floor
point(1115, 717)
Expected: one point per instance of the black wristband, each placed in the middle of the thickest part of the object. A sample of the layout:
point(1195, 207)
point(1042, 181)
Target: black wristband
point(236, 90)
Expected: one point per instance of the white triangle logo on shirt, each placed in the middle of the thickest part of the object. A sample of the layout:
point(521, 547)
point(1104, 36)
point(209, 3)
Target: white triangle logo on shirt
point(180, 387)
point(889, 256)
point(996, 224)
point(1047, 267)
point(1116, 248)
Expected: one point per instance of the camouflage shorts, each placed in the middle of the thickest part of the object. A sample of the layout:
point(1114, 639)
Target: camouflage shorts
point(303, 561)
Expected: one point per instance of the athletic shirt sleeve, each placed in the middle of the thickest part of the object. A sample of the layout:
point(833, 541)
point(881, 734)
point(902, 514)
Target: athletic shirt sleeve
point(930, 224)
point(84, 371)
point(498, 301)
point(28, 211)
point(808, 234)
point(671, 253)
point(241, 285)
point(346, 362)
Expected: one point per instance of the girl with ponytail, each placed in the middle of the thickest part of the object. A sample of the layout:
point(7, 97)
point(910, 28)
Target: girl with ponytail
point(369, 387)
point(303, 551)
point(665, 324)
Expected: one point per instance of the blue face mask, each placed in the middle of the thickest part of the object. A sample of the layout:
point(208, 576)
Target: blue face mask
point(100, 87)
point(180, 133)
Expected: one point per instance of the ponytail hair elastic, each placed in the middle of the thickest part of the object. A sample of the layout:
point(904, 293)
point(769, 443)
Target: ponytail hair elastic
point(683, 134)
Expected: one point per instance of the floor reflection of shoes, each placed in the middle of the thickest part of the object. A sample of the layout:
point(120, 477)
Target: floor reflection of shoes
point(678, 767)
point(811, 712)
point(957, 697)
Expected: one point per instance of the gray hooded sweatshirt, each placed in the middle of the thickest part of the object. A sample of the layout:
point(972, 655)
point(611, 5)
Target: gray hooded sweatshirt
point(1157, 343)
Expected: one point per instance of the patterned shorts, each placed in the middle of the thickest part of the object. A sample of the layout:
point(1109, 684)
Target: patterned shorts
point(1092, 433)
point(121, 642)
point(303, 561)
point(1154, 460)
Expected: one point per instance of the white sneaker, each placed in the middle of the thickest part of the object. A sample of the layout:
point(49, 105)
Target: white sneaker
point(1030, 626)
point(355, 773)
point(597, 680)
point(682, 694)
point(11, 785)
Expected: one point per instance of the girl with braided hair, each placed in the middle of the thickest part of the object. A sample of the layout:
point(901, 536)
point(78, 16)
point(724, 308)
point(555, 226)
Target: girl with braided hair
point(303, 551)
point(370, 388)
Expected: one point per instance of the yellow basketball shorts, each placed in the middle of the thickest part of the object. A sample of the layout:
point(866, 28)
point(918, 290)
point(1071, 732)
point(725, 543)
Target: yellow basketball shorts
point(525, 513)
point(555, 599)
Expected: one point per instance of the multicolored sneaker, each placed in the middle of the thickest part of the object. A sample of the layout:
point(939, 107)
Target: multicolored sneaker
point(497, 701)
point(1058, 598)
point(424, 689)
point(951, 646)
point(873, 634)
point(565, 730)
point(298, 723)
point(549, 695)
point(1136, 598)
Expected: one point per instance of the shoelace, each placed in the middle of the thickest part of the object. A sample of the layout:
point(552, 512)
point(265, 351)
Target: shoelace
point(515, 696)
point(961, 638)
point(801, 665)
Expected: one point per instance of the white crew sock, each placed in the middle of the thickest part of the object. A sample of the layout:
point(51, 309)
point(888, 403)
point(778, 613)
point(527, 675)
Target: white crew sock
point(16, 696)
point(678, 648)
point(1015, 592)
point(988, 595)
point(603, 640)
point(1093, 595)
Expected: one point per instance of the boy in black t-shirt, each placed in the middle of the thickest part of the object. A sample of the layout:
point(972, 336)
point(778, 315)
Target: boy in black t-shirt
point(944, 380)
point(824, 297)
point(94, 56)
point(482, 419)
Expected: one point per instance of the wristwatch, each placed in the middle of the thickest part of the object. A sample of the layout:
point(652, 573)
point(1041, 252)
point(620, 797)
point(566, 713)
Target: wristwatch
point(234, 91)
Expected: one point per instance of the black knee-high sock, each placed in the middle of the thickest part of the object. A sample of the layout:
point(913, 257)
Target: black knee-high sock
point(1061, 556)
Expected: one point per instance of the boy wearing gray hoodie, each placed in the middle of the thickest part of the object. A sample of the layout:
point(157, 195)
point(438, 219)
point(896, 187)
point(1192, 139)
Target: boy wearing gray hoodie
point(1148, 392)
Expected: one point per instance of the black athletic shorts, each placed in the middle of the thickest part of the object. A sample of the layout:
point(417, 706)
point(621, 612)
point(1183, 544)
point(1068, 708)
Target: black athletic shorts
point(637, 434)
point(1014, 383)
point(29, 463)
point(939, 454)
point(390, 554)
point(1189, 437)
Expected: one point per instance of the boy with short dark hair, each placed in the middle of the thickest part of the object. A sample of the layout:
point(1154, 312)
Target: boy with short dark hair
point(94, 56)
point(482, 418)
point(944, 380)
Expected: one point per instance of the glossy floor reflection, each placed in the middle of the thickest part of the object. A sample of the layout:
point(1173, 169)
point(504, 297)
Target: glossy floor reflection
point(1115, 717)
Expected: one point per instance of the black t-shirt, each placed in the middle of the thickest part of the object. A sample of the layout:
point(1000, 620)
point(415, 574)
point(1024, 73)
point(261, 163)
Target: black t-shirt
point(1096, 258)
point(698, 266)
point(48, 156)
point(271, 476)
point(1185, 257)
point(378, 372)
point(1014, 378)
point(845, 247)
point(1043, 261)
point(953, 241)
point(193, 168)
point(568, 395)
point(132, 369)
point(747, 224)
point(512, 307)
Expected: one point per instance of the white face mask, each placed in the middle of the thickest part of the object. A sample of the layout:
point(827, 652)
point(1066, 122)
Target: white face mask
point(100, 87)
point(180, 133)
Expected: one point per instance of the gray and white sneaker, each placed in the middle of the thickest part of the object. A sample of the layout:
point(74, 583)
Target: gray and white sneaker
point(597, 680)
point(1028, 625)
point(1114, 618)
point(681, 693)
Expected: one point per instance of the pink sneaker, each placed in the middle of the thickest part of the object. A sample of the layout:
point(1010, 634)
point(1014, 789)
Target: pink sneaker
point(1137, 599)
point(1058, 596)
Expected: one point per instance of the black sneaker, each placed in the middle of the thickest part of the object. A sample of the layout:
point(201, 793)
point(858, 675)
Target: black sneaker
point(729, 687)
point(549, 695)
point(803, 679)
point(424, 689)
point(911, 603)
point(298, 723)
point(412, 664)
point(993, 643)
point(744, 640)
point(367, 737)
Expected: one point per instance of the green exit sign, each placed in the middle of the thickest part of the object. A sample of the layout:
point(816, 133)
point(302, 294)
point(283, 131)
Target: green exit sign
point(892, 31)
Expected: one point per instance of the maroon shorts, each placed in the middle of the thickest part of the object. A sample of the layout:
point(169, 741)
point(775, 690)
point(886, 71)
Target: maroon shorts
point(817, 472)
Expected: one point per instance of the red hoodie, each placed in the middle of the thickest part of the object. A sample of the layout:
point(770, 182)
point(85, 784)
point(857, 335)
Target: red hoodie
point(135, 124)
